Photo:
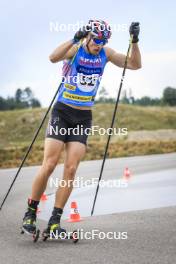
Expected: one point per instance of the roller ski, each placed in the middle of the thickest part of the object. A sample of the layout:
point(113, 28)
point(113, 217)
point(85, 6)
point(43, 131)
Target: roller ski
point(29, 221)
point(59, 233)
point(54, 230)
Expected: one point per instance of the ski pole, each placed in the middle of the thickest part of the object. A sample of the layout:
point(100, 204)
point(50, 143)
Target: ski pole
point(112, 123)
point(38, 130)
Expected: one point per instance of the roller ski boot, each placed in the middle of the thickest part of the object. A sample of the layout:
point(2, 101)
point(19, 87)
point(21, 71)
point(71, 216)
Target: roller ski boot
point(29, 221)
point(54, 230)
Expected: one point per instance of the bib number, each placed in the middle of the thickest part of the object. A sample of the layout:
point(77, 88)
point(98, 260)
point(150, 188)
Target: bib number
point(87, 83)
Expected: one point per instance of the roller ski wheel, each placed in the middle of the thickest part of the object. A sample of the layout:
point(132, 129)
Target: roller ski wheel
point(35, 234)
point(47, 233)
point(75, 236)
point(64, 235)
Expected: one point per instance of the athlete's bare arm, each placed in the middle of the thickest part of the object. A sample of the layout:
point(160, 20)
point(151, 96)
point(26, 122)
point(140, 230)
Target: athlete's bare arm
point(134, 61)
point(64, 51)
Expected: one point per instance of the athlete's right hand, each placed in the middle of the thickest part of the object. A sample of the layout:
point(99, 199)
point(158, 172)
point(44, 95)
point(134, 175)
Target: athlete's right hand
point(134, 31)
point(80, 34)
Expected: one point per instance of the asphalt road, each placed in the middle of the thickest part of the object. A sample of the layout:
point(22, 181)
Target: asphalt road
point(150, 233)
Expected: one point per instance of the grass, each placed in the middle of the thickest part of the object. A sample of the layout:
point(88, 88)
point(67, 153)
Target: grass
point(12, 157)
point(17, 129)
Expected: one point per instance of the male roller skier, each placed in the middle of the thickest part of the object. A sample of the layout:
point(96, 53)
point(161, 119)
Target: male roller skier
point(73, 108)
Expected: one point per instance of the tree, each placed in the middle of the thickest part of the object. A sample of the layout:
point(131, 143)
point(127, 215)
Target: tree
point(102, 94)
point(124, 99)
point(35, 103)
point(11, 103)
point(3, 104)
point(28, 94)
point(169, 96)
point(145, 100)
point(18, 95)
point(22, 99)
point(131, 98)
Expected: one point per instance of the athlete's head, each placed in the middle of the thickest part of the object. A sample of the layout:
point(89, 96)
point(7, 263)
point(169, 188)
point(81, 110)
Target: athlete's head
point(99, 33)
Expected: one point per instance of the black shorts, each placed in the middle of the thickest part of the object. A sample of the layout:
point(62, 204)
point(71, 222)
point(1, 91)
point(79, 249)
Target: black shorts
point(69, 124)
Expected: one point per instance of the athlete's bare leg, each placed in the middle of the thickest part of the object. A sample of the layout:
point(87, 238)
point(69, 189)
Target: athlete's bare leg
point(52, 152)
point(75, 151)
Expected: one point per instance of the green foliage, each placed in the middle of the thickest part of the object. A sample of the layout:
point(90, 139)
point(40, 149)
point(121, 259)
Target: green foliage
point(169, 96)
point(146, 100)
point(22, 99)
point(125, 99)
point(103, 97)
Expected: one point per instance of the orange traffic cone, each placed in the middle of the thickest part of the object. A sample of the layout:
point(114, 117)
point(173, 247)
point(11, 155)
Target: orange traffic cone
point(74, 215)
point(127, 173)
point(43, 197)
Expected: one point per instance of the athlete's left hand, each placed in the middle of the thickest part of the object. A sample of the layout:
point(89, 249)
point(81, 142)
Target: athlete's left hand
point(134, 30)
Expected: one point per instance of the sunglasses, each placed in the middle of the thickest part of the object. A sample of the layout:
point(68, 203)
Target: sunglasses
point(100, 41)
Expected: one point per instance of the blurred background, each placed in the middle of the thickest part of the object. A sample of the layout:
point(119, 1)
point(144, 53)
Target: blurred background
point(30, 31)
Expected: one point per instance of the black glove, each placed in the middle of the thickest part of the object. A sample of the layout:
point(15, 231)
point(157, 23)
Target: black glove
point(81, 33)
point(134, 30)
